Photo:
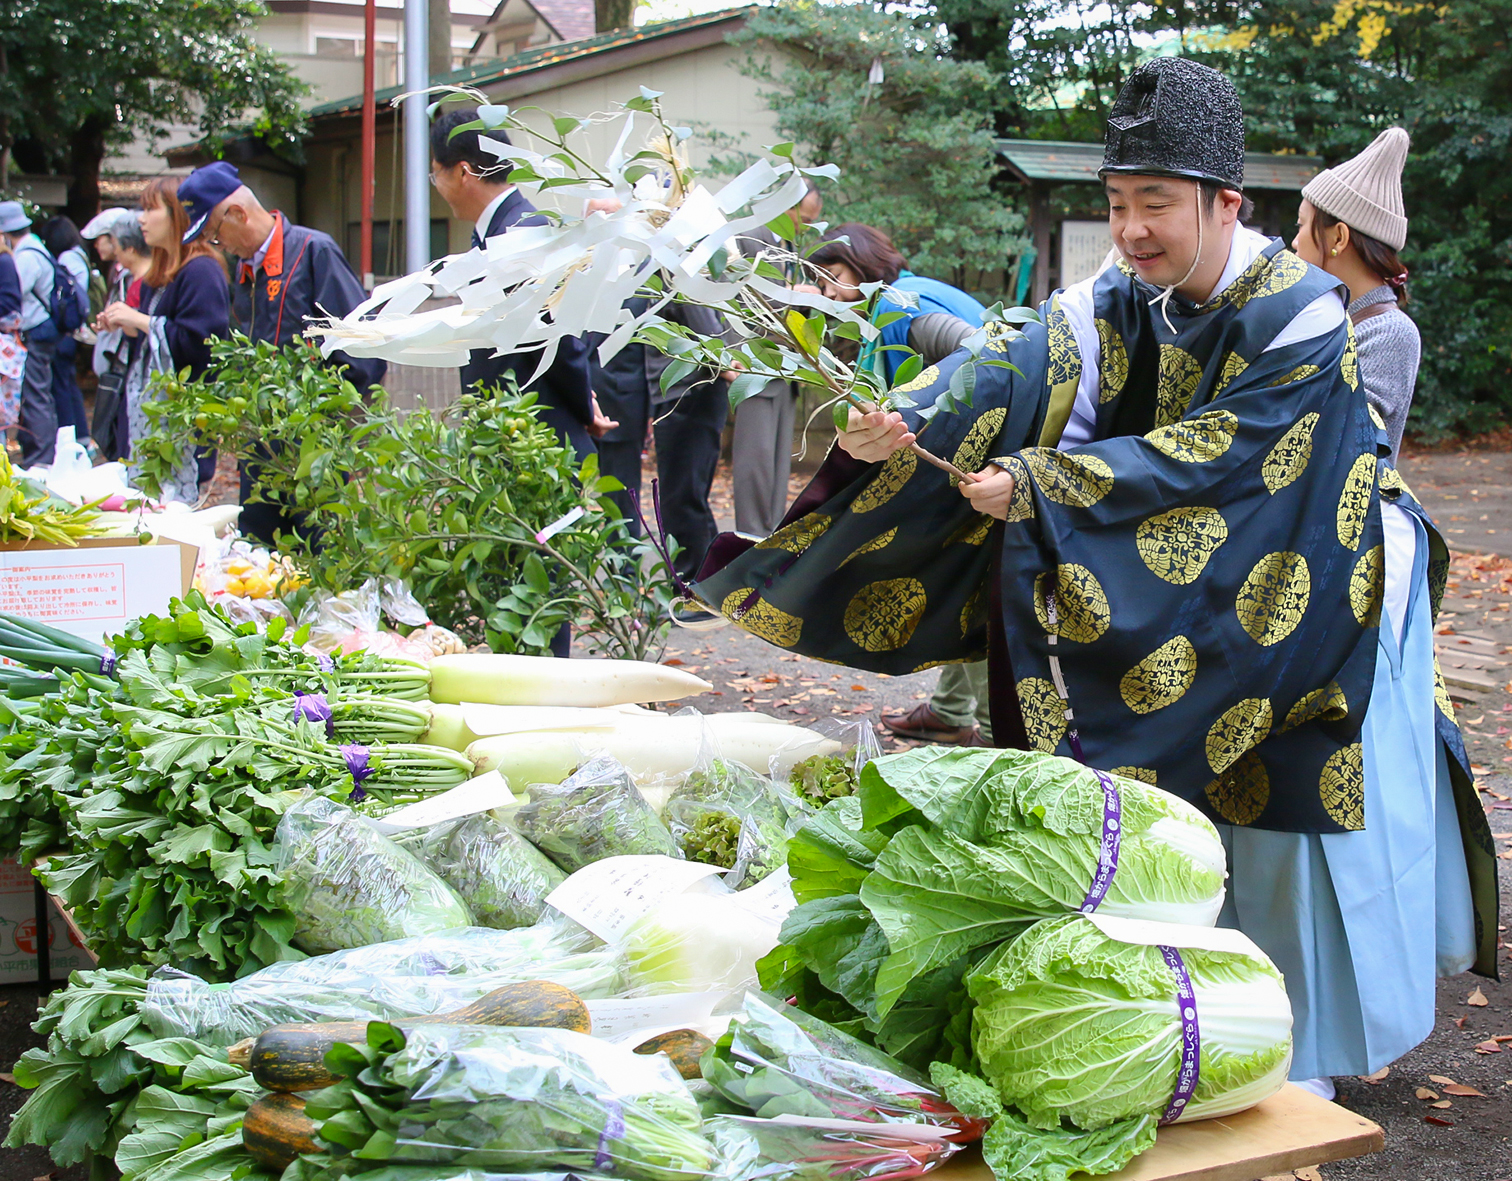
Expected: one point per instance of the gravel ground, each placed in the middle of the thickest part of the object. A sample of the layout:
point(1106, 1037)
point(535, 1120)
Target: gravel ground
point(1469, 1140)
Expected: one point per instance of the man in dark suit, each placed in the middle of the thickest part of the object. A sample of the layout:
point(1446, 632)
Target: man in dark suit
point(472, 181)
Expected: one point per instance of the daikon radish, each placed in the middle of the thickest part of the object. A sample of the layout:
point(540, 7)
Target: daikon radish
point(486, 720)
point(449, 728)
point(494, 679)
point(656, 752)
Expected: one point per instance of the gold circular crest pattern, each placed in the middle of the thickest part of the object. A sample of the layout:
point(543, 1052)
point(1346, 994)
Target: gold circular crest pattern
point(1068, 478)
point(1300, 373)
point(1285, 270)
point(1115, 362)
point(1327, 704)
point(798, 536)
point(1274, 597)
point(1233, 366)
point(973, 613)
point(1161, 678)
point(1341, 787)
point(1065, 365)
point(1238, 729)
point(1176, 545)
point(973, 532)
point(881, 616)
point(1375, 417)
point(896, 472)
point(1349, 362)
point(1021, 499)
point(1139, 774)
point(770, 623)
point(1288, 459)
point(1354, 500)
point(971, 455)
point(1441, 696)
point(1391, 481)
point(1199, 439)
point(1081, 607)
point(881, 541)
point(1241, 793)
point(923, 381)
point(1180, 375)
point(1367, 582)
point(1044, 713)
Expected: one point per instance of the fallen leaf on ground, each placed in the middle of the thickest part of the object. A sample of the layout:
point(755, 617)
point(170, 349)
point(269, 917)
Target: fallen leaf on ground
point(1441, 1104)
point(1426, 1093)
point(1438, 1121)
point(1463, 1091)
point(1377, 1078)
point(1477, 998)
point(8, 1078)
point(1440, 1080)
point(1489, 1047)
point(1459, 1022)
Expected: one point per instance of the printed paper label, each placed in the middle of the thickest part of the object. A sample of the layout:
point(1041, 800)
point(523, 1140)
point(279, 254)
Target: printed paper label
point(651, 1015)
point(609, 895)
point(481, 794)
point(771, 898)
point(90, 591)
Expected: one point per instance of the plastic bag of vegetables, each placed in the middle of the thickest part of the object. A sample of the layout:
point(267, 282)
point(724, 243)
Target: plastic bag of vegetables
point(594, 813)
point(766, 1150)
point(702, 940)
point(777, 1060)
point(821, 778)
point(727, 815)
point(348, 885)
point(404, 978)
point(502, 876)
point(506, 1100)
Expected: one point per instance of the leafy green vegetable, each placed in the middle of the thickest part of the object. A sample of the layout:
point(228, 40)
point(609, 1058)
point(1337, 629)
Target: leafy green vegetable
point(1017, 1151)
point(751, 1149)
point(728, 815)
point(822, 778)
point(520, 1100)
point(348, 885)
point(596, 812)
point(1072, 1024)
point(503, 877)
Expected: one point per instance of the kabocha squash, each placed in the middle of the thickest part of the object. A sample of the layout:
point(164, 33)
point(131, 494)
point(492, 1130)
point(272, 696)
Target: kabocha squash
point(276, 1129)
point(685, 1047)
point(292, 1057)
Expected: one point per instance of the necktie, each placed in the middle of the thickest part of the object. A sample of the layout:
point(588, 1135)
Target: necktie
point(477, 242)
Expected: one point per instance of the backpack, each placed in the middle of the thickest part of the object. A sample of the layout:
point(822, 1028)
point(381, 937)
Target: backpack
point(65, 307)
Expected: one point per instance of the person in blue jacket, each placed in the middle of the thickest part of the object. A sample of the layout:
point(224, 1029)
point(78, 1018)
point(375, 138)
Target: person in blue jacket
point(853, 254)
point(288, 275)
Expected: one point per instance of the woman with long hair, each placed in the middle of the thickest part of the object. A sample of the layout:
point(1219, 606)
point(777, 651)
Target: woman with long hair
point(183, 304)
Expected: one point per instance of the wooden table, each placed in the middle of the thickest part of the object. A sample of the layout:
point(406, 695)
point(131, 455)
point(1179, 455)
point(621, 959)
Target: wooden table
point(1291, 1129)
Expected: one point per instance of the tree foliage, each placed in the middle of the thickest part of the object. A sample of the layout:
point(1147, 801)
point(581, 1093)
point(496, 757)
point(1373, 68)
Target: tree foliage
point(915, 150)
point(78, 76)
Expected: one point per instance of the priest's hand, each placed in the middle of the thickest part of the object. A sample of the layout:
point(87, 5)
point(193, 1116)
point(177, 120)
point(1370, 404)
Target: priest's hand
point(991, 491)
point(871, 438)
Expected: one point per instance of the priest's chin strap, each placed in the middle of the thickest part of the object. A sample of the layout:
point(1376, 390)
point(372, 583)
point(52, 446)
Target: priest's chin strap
point(1164, 298)
point(658, 539)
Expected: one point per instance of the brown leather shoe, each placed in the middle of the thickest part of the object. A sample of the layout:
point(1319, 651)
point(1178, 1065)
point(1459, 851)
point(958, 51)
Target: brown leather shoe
point(924, 724)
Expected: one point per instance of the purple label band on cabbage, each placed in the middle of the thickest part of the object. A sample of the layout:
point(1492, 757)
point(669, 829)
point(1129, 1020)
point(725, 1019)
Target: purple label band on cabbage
point(1107, 850)
point(1189, 1071)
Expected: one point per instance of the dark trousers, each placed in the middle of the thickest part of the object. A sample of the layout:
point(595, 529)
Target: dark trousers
point(39, 413)
point(687, 452)
point(267, 517)
point(68, 399)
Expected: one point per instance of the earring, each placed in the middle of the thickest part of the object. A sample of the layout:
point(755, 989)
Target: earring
point(1334, 252)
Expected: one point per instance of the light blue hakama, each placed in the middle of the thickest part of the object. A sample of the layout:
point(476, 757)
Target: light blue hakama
point(1362, 923)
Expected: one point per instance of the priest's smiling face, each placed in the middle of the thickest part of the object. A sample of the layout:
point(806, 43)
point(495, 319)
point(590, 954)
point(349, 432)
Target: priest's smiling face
point(1162, 224)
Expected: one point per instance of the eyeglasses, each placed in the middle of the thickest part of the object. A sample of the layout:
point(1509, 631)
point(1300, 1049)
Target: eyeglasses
point(213, 236)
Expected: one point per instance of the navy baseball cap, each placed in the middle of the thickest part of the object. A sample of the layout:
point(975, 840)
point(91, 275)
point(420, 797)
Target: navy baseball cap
point(204, 189)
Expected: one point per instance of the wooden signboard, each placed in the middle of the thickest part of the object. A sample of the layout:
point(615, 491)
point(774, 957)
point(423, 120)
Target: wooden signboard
point(1291, 1129)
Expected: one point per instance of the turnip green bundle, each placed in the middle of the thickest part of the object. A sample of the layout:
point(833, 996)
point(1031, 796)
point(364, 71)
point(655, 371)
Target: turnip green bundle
point(1090, 1032)
point(503, 1100)
point(944, 854)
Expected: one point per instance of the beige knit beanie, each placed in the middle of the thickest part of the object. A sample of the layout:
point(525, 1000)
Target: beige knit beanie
point(1366, 193)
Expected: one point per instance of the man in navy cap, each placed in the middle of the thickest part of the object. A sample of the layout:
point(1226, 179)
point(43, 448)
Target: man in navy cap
point(288, 274)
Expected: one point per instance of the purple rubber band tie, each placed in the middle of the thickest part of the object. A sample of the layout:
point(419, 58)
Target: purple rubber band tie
point(356, 757)
point(107, 664)
point(1107, 851)
point(1190, 1069)
point(315, 708)
point(614, 1129)
point(324, 663)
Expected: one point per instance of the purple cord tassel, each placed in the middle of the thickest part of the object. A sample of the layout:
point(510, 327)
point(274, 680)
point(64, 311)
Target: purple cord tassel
point(107, 664)
point(659, 540)
point(356, 757)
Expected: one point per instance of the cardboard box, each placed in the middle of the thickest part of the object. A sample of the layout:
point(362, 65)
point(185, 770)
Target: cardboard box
point(93, 589)
point(18, 931)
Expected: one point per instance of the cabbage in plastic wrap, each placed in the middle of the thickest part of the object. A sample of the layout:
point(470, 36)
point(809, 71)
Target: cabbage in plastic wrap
point(502, 876)
point(596, 812)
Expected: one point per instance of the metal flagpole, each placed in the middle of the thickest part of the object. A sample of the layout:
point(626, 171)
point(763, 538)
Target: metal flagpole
point(416, 136)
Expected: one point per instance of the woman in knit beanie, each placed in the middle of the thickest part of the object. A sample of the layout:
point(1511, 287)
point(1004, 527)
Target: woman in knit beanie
point(1352, 224)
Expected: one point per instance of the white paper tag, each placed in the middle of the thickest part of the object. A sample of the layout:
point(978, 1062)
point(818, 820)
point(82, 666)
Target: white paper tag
point(609, 895)
point(771, 898)
point(648, 1016)
point(922, 1133)
point(1153, 934)
point(480, 794)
